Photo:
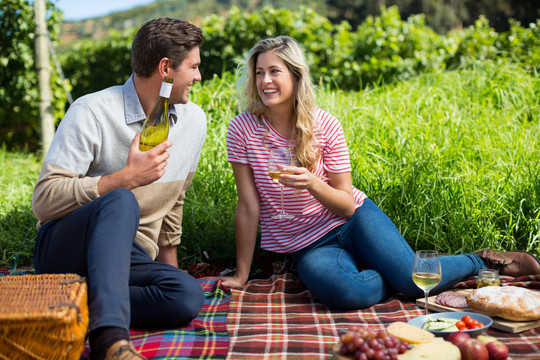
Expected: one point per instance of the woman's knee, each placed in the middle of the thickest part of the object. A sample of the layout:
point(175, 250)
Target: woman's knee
point(345, 288)
point(348, 298)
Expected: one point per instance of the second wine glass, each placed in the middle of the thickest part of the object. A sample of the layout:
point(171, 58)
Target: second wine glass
point(280, 157)
point(426, 272)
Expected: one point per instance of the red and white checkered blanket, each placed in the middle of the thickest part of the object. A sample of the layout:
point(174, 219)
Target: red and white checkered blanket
point(278, 318)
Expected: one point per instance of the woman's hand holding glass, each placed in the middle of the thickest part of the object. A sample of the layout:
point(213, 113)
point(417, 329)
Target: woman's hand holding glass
point(278, 161)
point(298, 178)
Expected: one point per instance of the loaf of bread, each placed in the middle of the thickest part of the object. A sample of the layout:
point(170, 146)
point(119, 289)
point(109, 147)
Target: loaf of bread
point(508, 302)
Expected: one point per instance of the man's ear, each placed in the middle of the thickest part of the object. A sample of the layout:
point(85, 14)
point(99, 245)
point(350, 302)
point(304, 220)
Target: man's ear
point(164, 67)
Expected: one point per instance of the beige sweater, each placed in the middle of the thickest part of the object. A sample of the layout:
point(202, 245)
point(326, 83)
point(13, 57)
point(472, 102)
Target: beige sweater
point(93, 140)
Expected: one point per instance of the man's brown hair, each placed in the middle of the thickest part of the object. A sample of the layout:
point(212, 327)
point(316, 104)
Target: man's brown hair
point(163, 37)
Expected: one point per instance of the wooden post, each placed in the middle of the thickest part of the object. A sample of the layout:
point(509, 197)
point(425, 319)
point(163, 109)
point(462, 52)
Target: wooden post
point(43, 70)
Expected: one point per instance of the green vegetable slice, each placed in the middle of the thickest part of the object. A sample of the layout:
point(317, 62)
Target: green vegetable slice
point(440, 324)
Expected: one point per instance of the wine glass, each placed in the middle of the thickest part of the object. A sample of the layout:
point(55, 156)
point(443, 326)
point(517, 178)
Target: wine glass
point(280, 157)
point(426, 272)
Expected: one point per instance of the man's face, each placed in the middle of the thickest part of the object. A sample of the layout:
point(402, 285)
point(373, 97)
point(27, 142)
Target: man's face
point(184, 76)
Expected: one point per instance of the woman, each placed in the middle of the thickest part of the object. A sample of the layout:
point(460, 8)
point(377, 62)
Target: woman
point(336, 231)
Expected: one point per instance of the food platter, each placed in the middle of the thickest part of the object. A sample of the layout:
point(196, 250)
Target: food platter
point(498, 323)
point(337, 356)
point(486, 320)
point(406, 341)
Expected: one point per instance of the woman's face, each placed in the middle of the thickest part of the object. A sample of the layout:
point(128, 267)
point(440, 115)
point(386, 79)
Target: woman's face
point(275, 83)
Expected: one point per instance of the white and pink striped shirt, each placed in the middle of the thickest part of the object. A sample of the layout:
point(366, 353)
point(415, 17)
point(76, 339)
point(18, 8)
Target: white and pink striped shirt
point(311, 219)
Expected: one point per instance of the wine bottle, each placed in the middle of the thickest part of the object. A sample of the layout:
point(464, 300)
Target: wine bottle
point(155, 129)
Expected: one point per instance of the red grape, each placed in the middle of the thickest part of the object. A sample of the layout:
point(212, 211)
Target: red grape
point(368, 344)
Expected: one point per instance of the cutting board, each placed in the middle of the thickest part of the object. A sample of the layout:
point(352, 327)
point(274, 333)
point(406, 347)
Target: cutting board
point(498, 323)
point(337, 356)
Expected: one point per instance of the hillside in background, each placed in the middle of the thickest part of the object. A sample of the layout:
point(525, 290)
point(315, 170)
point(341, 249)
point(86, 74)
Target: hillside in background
point(441, 15)
point(191, 10)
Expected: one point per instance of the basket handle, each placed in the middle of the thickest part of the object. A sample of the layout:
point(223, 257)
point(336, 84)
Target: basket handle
point(73, 281)
point(73, 306)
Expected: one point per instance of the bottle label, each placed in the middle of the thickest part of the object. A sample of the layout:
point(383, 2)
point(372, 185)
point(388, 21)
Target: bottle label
point(165, 90)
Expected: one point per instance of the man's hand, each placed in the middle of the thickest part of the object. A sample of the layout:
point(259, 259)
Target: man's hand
point(145, 167)
point(142, 168)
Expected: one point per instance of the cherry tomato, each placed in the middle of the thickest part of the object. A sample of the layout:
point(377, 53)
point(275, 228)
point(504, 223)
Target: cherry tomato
point(461, 325)
point(468, 321)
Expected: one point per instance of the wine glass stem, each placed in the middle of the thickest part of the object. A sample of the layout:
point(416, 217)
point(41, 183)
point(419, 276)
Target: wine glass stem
point(426, 303)
point(282, 203)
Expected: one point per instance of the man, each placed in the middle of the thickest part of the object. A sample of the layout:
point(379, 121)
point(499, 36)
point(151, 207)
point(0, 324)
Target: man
point(106, 210)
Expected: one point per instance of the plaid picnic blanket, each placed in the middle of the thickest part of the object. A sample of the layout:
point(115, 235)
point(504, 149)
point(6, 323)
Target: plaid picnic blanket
point(206, 337)
point(278, 318)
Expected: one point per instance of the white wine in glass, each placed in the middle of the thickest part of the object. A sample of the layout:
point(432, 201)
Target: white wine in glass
point(280, 157)
point(426, 272)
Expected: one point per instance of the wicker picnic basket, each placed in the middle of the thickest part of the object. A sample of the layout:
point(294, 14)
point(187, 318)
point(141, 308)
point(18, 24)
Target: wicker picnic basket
point(42, 316)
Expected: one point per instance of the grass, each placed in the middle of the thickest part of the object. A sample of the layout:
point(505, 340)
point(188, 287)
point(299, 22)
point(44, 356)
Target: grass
point(451, 157)
point(18, 174)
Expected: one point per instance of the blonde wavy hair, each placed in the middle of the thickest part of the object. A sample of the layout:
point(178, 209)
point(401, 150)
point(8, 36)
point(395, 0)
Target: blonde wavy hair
point(288, 50)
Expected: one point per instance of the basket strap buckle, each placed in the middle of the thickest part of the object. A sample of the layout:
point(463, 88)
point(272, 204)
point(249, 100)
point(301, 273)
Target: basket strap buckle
point(73, 306)
point(73, 281)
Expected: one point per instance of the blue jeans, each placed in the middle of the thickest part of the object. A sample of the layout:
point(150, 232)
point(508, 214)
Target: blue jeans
point(366, 260)
point(126, 288)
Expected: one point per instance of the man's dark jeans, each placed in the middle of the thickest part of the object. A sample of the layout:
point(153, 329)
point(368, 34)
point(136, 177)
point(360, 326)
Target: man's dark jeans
point(125, 286)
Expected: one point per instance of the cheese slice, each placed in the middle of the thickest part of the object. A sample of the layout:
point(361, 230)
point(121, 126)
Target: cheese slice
point(409, 333)
point(437, 349)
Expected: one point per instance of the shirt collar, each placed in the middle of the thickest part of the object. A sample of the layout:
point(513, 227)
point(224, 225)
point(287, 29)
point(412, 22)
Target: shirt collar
point(133, 108)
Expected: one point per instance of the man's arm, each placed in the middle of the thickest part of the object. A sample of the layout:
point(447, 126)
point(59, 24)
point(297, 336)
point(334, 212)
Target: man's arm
point(142, 168)
point(168, 255)
point(60, 191)
point(171, 228)
point(246, 224)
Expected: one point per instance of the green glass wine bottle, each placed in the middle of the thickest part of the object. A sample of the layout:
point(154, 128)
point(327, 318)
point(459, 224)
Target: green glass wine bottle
point(155, 129)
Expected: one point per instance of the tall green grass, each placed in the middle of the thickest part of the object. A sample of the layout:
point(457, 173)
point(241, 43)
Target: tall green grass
point(18, 174)
point(451, 157)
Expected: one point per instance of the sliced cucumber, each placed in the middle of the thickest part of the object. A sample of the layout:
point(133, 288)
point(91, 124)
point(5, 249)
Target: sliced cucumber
point(451, 328)
point(437, 326)
point(441, 324)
